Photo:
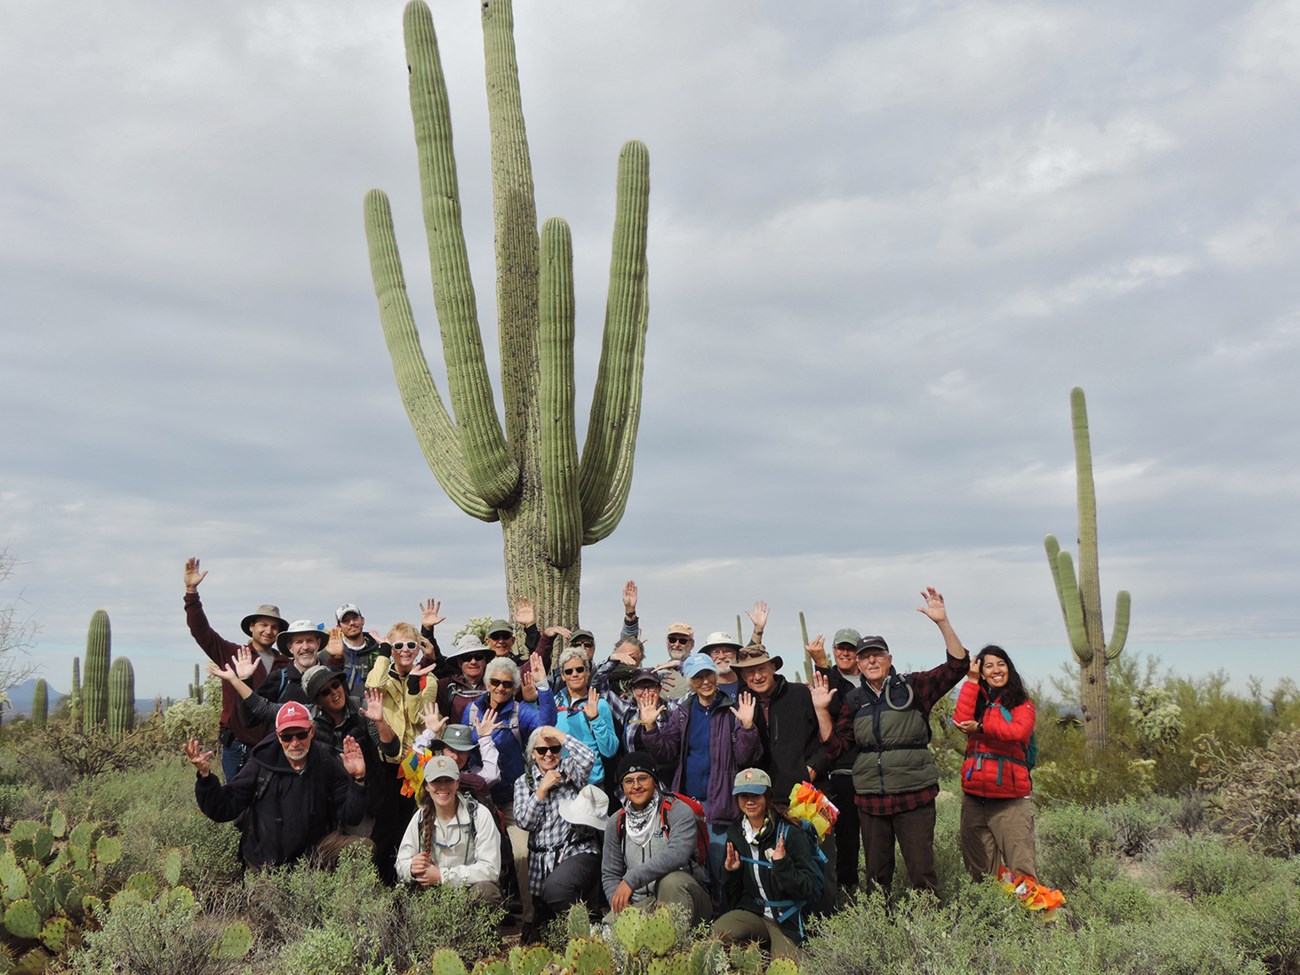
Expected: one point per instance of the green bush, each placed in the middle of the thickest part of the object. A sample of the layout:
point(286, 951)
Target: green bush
point(1139, 823)
point(1113, 900)
point(1201, 867)
point(144, 939)
point(1259, 794)
point(1074, 844)
point(1265, 920)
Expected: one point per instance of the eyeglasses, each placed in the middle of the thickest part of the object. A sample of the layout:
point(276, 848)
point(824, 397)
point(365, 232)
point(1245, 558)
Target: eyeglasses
point(752, 654)
point(675, 638)
point(301, 735)
point(846, 648)
point(501, 683)
point(408, 645)
point(574, 670)
point(548, 749)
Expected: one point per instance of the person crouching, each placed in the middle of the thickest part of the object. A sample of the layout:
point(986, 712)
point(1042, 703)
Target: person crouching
point(650, 846)
point(451, 839)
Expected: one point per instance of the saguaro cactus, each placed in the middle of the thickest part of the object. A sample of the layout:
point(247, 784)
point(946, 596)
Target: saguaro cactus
point(40, 704)
point(121, 697)
point(529, 477)
point(196, 689)
point(74, 697)
point(94, 691)
point(1081, 598)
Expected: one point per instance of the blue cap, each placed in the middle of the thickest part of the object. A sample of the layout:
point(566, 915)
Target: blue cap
point(698, 663)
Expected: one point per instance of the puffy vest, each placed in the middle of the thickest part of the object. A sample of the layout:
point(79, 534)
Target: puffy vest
point(893, 737)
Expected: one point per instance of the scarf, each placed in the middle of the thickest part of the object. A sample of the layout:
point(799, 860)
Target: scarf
point(640, 823)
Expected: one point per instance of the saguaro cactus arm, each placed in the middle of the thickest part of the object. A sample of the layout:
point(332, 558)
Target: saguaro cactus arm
point(616, 402)
point(559, 459)
point(1119, 635)
point(1067, 591)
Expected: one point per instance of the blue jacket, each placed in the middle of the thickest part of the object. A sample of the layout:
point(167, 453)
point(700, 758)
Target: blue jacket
point(518, 720)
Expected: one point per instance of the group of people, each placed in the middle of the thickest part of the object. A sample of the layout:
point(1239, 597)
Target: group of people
point(547, 776)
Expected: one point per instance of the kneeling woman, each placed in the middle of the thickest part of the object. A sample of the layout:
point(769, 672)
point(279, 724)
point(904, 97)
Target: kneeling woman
point(771, 879)
point(452, 839)
point(565, 819)
point(997, 815)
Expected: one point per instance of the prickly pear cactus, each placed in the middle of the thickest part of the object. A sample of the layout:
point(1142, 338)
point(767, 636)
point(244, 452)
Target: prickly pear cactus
point(235, 943)
point(578, 921)
point(530, 961)
point(629, 929)
point(783, 966)
point(22, 920)
point(56, 934)
point(676, 965)
point(658, 933)
point(706, 956)
point(747, 960)
point(491, 966)
point(446, 962)
point(591, 957)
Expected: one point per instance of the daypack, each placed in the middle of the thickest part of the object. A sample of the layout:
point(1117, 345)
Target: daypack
point(471, 807)
point(263, 783)
point(701, 857)
point(786, 908)
point(1031, 747)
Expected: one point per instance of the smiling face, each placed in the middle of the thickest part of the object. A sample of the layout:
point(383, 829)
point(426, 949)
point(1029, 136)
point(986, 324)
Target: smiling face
point(332, 698)
point(501, 643)
point(577, 676)
point(680, 645)
point(705, 686)
point(874, 666)
point(724, 656)
point(547, 756)
point(352, 624)
point(304, 647)
point(501, 688)
point(443, 792)
point(761, 678)
point(405, 642)
point(264, 630)
point(639, 787)
point(472, 666)
point(994, 671)
point(296, 743)
point(846, 657)
point(753, 806)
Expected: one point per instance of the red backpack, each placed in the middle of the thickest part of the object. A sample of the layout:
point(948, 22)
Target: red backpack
point(701, 826)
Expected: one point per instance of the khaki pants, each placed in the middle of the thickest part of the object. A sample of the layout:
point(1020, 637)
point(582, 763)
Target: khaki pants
point(995, 832)
point(740, 927)
point(680, 888)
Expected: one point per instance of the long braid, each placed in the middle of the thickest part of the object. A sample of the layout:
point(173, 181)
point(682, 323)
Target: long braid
point(427, 823)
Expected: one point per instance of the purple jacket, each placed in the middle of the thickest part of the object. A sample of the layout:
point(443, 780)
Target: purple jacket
point(731, 748)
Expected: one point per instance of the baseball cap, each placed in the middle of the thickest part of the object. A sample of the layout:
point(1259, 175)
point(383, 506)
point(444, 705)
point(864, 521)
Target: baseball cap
point(872, 644)
point(698, 663)
point(440, 767)
point(343, 611)
point(751, 781)
point(500, 626)
point(292, 715)
point(847, 635)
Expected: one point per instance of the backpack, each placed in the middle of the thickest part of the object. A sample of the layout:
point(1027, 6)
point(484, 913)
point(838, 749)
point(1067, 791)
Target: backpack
point(472, 806)
point(1031, 747)
point(787, 908)
point(701, 856)
point(263, 783)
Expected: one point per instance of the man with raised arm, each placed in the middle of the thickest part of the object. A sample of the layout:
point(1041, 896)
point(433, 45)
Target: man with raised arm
point(262, 627)
point(894, 775)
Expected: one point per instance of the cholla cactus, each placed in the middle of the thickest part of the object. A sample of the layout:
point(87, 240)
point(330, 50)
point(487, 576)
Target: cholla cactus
point(1160, 720)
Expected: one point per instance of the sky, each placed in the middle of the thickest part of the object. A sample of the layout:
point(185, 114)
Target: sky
point(885, 241)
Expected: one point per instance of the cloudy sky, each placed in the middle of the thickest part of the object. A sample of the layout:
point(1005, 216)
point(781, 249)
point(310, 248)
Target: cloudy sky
point(885, 242)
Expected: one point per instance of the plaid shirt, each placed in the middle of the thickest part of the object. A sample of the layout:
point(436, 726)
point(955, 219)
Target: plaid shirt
point(552, 837)
point(929, 687)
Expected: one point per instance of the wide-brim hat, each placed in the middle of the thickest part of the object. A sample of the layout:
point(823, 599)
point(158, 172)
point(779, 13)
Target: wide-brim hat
point(719, 638)
point(588, 808)
point(267, 610)
point(753, 656)
point(469, 643)
point(317, 679)
point(300, 626)
point(454, 736)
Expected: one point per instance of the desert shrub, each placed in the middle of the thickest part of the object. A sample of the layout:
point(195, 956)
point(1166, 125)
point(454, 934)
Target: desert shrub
point(144, 939)
point(1074, 844)
point(1208, 867)
point(1259, 793)
point(1139, 823)
point(1180, 942)
point(1113, 900)
point(187, 718)
point(1265, 921)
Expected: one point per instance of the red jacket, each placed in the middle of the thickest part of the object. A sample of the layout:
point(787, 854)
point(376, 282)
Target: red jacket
point(995, 757)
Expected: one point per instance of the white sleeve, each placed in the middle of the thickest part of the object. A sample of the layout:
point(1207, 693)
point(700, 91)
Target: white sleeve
point(409, 848)
point(491, 771)
point(487, 853)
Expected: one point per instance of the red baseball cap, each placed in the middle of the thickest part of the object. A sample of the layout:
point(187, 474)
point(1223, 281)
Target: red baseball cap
point(292, 715)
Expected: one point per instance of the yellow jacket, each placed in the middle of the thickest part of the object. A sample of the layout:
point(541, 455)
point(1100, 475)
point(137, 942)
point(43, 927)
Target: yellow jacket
point(402, 711)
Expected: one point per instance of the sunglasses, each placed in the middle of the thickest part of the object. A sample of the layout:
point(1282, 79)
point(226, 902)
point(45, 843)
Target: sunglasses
point(752, 654)
point(574, 670)
point(548, 749)
point(472, 657)
point(588, 644)
point(330, 688)
point(408, 645)
point(300, 735)
point(501, 683)
point(674, 639)
point(501, 637)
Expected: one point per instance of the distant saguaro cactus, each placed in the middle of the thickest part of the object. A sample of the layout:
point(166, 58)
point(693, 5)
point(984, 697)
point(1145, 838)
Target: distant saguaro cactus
point(196, 689)
point(40, 704)
point(94, 690)
point(1081, 598)
point(550, 503)
point(74, 698)
point(121, 697)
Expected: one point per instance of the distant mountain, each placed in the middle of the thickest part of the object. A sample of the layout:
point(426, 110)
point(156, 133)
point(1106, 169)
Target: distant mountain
point(20, 700)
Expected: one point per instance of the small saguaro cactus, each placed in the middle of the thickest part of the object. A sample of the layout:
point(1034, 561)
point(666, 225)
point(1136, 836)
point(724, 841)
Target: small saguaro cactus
point(1081, 598)
point(196, 689)
point(94, 690)
point(121, 697)
point(74, 698)
point(550, 500)
point(40, 704)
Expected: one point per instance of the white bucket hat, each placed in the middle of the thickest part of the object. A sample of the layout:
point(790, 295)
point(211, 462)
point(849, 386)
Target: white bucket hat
point(588, 808)
point(300, 626)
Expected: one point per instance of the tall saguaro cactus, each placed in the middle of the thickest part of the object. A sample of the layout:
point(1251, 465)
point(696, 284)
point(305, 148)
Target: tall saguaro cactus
point(121, 697)
point(94, 690)
point(550, 501)
point(74, 697)
point(1081, 597)
point(40, 704)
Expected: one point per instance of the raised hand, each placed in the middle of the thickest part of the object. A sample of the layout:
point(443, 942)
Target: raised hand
point(537, 668)
point(525, 612)
point(487, 724)
point(592, 710)
point(934, 607)
point(422, 668)
point(335, 645)
point(374, 704)
point(563, 631)
point(431, 613)
point(758, 616)
point(732, 863)
point(817, 651)
point(974, 672)
point(778, 851)
point(201, 760)
point(353, 760)
point(433, 718)
point(629, 598)
point(744, 709)
point(821, 691)
point(192, 575)
point(226, 673)
point(245, 664)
